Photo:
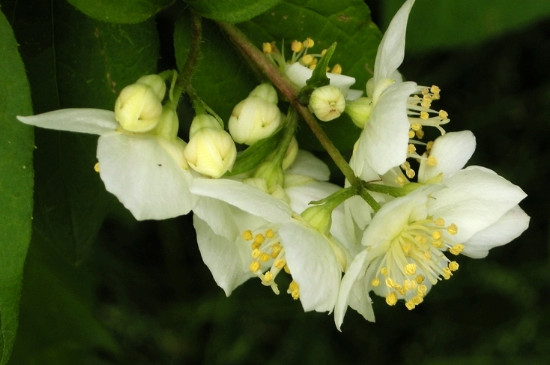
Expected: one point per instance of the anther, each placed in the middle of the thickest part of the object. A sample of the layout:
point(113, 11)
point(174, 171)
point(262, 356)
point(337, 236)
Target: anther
point(267, 48)
point(296, 46)
point(308, 43)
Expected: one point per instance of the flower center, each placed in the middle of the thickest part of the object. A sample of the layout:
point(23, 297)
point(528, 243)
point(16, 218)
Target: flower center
point(422, 115)
point(414, 256)
point(268, 259)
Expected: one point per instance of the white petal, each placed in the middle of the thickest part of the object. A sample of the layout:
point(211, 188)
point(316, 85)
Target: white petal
point(300, 196)
point(353, 292)
point(313, 266)
point(507, 228)
point(383, 142)
point(299, 75)
point(93, 121)
point(391, 50)
point(143, 176)
point(451, 152)
point(474, 199)
point(307, 164)
point(243, 196)
point(228, 262)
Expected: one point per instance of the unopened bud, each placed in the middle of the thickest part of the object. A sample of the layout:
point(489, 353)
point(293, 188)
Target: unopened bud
point(137, 108)
point(319, 217)
point(290, 154)
point(168, 124)
point(273, 175)
point(266, 92)
point(253, 119)
point(156, 83)
point(203, 121)
point(211, 152)
point(327, 103)
point(359, 110)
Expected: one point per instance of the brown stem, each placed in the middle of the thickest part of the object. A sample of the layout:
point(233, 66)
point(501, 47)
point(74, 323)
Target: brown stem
point(290, 92)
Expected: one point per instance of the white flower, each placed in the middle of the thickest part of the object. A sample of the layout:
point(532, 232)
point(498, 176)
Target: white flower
point(299, 74)
point(244, 232)
point(395, 116)
point(145, 171)
point(466, 211)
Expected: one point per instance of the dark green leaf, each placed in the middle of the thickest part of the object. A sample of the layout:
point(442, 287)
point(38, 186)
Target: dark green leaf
point(221, 78)
point(58, 324)
point(16, 184)
point(120, 11)
point(434, 23)
point(232, 11)
point(91, 62)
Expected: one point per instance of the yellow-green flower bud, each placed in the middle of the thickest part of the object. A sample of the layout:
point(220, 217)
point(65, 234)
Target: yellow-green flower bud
point(327, 103)
point(253, 119)
point(266, 92)
point(211, 152)
point(290, 154)
point(359, 110)
point(168, 124)
point(203, 121)
point(272, 173)
point(319, 217)
point(156, 83)
point(137, 108)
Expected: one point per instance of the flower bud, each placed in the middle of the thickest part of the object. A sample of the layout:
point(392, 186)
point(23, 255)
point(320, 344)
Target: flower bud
point(290, 154)
point(137, 108)
point(266, 92)
point(176, 149)
point(272, 173)
point(156, 83)
point(319, 217)
point(359, 110)
point(253, 119)
point(327, 103)
point(211, 152)
point(203, 121)
point(168, 124)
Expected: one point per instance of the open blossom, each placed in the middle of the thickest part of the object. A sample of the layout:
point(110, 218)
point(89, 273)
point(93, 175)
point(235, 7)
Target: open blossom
point(244, 232)
point(398, 109)
point(146, 171)
point(412, 242)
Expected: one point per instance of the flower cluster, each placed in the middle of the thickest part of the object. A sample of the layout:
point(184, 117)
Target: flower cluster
point(264, 209)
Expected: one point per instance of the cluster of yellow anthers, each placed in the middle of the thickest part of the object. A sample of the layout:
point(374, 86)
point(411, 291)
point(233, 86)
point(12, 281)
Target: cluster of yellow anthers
point(414, 256)
point(422, 115)
point(300, 54)
point(266, 249)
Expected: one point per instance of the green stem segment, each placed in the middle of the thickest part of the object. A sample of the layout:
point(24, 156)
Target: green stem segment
point(183, 82)
point(290, 92)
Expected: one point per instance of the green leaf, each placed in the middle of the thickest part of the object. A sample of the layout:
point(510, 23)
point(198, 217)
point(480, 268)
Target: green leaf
point(16, 184)
point(434, 23)
point(58, 324)
point(254, 154)
point(121, 11)
point(232, 11)
point(221, 78)
point(92, 61)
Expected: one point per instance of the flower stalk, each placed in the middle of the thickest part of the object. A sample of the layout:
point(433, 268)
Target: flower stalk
point(282, 83)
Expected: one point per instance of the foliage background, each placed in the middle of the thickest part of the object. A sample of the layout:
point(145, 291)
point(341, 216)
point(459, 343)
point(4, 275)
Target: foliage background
point(139, 292)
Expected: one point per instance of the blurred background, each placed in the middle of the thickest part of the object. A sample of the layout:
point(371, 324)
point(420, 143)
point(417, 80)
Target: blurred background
point(139, 293)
